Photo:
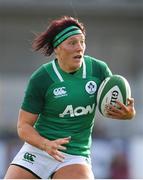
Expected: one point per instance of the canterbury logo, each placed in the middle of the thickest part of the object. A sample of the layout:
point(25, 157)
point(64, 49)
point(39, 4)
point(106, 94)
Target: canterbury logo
point(29, 157)
point(61, 91)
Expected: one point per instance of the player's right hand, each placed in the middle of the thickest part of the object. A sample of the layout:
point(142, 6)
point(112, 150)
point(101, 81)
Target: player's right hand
point(53, 147)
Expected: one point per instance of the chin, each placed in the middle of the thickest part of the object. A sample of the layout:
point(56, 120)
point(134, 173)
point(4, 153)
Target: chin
point(78, 62)
point(77, 65)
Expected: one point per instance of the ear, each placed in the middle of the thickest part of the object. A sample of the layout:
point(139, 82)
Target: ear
point(56, 50)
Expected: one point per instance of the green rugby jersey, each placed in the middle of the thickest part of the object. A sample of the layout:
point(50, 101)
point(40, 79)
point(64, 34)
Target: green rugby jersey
point(66, 102)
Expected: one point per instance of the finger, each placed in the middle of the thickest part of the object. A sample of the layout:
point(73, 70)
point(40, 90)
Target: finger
point(130, 101)
point(67, 138)
point(61, 147)
point(59, 156)
point(63, 141)
point(112, 113)
point(121, 105)
point(111, 108)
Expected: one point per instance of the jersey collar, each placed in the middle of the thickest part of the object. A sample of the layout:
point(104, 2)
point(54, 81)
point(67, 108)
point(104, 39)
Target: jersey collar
point(59, 75)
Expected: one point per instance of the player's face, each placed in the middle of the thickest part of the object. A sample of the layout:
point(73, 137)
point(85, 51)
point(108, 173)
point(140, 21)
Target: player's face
point(70, 52)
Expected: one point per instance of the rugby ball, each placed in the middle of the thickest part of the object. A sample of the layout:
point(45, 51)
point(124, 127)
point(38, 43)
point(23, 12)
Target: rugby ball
point(111, 89)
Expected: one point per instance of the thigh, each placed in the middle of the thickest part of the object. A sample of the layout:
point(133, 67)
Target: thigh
point(16, 172)
point(34, 160)
point(74, 171)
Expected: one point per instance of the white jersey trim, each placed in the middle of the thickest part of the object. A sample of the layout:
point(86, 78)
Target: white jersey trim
point(84, 70)
point(57, 72)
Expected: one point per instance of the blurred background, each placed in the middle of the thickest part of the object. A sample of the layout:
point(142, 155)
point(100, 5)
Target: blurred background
point(115, 35)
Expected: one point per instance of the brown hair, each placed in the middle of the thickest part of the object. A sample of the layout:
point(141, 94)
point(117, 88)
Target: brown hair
point(44, 41)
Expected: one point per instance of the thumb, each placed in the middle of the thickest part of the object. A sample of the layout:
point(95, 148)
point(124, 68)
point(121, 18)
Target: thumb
point(130, 102)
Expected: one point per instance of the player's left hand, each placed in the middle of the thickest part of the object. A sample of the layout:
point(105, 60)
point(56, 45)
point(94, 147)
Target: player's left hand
point(123, 111)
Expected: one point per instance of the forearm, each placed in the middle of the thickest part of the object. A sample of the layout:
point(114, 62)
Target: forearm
point(29, 134)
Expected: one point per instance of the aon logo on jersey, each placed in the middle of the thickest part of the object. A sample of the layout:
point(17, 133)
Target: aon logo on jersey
point(78, 111)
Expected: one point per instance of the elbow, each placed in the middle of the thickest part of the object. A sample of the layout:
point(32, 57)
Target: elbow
point(20, 131)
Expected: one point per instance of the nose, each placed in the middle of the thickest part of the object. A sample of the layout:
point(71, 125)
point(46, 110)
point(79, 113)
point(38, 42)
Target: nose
point(80, 46)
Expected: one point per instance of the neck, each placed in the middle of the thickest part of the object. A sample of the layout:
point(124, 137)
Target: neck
point(67, 68)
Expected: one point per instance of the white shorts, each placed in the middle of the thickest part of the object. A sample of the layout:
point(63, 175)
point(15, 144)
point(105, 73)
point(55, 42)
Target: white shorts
point(41, 164)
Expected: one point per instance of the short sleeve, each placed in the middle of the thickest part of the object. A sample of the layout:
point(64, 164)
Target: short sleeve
point(106, 71)
point(34, 98)
point(100, 69)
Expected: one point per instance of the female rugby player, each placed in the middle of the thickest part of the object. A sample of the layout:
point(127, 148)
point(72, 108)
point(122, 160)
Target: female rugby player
point(57, 114)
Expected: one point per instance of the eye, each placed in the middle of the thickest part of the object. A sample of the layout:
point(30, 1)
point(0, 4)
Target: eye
point(82, 41)
point(72, 43)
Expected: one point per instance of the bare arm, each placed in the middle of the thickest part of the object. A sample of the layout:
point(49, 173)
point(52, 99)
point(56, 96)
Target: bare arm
point(25, 128)
point(27, 132)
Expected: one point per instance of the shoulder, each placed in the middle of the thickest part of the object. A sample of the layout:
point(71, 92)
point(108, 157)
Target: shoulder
point(41, 76)
point(94, 61)
point(99, 68)
point(41, 71)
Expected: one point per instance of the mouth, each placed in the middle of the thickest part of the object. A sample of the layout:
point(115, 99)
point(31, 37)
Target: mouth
point(78, 57)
